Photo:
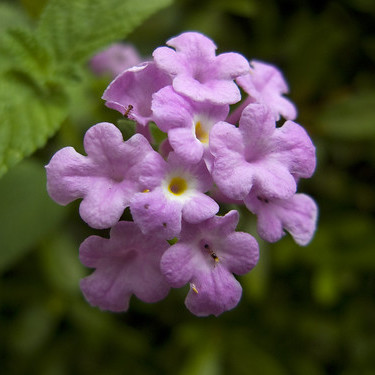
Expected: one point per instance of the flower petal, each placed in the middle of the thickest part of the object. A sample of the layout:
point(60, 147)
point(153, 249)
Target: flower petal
point(217, 292)
point(127, 263)
point(177, 266)
point(199, 208)
point(135, 87)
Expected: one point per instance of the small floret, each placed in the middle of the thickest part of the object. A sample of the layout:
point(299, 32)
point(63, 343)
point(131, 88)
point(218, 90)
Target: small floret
point(265, 84)
point(115, 59)
point(187, 122)
point(106, 179)
point(179, 194)
point(135, 87)
point(127, 263)
point(206, 257)
point(259, 155)
point(196, 70)
point(297, 215)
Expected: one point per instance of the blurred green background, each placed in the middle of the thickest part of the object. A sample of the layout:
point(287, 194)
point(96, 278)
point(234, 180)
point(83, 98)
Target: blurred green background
point(307, 310)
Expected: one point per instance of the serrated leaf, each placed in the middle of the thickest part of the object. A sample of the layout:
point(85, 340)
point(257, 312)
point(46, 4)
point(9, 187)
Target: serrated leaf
point(75, 29)
point(20, 50)
point(27, 213)
point(11, 15)
point(29, 114)
point(351, 117)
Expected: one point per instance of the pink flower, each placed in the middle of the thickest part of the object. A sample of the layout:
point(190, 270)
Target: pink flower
point(265, 84)
point(131, 92)
point(115, 59)
point(297, 215)
point(196, 70)
point(127, 263)
point(107, 178)
point(206, 256)
point(187, 122)
point(176, 193)
point(260, 155)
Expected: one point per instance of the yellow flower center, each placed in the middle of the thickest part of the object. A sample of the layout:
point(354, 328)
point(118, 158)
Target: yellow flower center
point(177, 186)
point(200, 133)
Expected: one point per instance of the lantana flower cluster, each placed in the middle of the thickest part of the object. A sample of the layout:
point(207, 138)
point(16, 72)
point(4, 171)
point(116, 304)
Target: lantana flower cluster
point(219, 148)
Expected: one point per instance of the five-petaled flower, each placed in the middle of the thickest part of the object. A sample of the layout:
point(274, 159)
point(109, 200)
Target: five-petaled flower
point(127, 263)
point(206, 256)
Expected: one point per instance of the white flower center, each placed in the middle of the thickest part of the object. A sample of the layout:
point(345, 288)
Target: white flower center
point(201, 133)
point(201, 128)
point(179, 186)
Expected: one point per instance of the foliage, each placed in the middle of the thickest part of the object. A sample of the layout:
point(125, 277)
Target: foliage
point(40, 64)
point(304, 310)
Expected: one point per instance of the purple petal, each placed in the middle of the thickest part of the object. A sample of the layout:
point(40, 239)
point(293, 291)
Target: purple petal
point(198, 172)
point(256, 124)
point(179, 116)
point(106, 179)
point(171, 110)
point(62, 185)
point(126, 264)
point(104, 204)
point(231, 65)
point(223, 225)
point(167, 60)
point(194, 44)
point(265, 84)
point(218, 291)
point(107, 288)
point(225, 137)
point(155, 215)
point(295, 148)
point(186, 145)
point(115, 59)
point(240, 252)
point(199, 208)
point(177, 266)
point(135, 87)
point(230, 171)
point(261, 155)
point(218, 92)
point(300, 221)
point(297, 215)
point(197, 73)
point(273, 179)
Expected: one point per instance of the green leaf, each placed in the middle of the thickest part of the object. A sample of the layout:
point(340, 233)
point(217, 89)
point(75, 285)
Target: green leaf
point(37, 69)
point(11, 15)
point(33, 103)
point(351, 117)
point(27, 213)
point(21, 51)
point(29, 114)
point(127, 128)
point(157, 135)
point(75, 29)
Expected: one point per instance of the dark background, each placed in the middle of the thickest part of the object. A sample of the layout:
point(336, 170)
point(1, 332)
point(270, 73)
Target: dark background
point(305, 310)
